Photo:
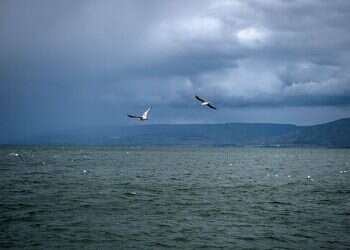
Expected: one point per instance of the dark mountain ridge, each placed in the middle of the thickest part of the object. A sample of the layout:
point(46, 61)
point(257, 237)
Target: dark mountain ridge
point(332, 134)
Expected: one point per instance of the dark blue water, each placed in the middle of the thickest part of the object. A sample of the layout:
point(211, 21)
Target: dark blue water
point(174, 198)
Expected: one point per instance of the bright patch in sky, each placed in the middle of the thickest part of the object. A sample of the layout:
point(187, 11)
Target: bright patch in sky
point(252, 37)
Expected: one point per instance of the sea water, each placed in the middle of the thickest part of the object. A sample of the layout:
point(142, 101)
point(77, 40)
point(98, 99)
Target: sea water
point(81, 197)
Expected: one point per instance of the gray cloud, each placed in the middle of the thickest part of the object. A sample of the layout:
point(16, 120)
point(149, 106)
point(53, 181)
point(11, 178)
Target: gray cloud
point(67, 63)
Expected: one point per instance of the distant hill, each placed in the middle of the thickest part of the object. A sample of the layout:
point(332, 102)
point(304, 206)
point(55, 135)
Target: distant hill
point(333, 134)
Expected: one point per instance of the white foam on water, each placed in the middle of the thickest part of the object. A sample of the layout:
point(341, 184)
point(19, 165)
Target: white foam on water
point(130, 193)
point(309, 178)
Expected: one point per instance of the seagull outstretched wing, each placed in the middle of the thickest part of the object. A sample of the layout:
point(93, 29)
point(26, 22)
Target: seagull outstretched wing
point(199, 99)
point(133, 116)
point(145, 115)
point(211, 106)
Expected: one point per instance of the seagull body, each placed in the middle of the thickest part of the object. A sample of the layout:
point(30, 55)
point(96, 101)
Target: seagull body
point(142, 117)
point(204, 102)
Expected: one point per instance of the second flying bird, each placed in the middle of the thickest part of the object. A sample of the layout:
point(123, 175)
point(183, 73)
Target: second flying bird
point(204, 102)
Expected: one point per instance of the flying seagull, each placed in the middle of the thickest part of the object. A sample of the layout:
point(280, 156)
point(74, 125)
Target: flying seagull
point(143, 117)
point(204, 102)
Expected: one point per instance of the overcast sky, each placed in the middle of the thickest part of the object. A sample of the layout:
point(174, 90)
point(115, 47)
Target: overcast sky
point(67, 64)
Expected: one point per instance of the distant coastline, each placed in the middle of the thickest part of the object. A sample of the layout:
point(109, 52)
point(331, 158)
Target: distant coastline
point(334, 134)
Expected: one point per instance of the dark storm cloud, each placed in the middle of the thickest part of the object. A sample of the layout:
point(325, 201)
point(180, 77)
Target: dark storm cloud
point(67, 63)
